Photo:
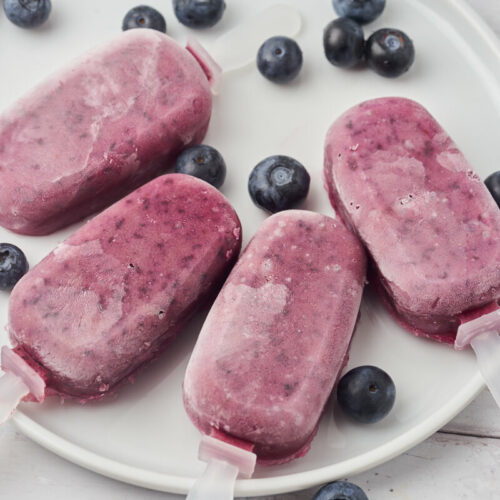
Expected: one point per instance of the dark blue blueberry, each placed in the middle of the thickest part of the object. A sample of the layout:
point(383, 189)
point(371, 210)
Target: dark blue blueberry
point(279, 59)
point(389, 52)
point(203, 162)
point(199, 13)
point(13, 265)
point(340, 490)
point(366, 394)
point(361, 11)
point(493, 184)
point(27, 13)
point(278, 183)
point(143, 16)
point(344, 42)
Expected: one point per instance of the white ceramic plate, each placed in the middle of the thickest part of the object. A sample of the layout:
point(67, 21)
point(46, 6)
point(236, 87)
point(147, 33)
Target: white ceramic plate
point(143, 436)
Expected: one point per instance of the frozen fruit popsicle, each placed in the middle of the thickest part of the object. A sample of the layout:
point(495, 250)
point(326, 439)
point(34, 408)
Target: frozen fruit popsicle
point(277, 336)
point(98, 129)
point(113, 295)
point(428, 222)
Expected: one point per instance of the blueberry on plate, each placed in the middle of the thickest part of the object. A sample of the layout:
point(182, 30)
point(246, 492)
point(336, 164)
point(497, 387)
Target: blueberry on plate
point(279, 59)
point(278, 183)
point(389, 52)
point(493, 184)
point(366, 394)
point(13, 265)
point(27, 13)
point(340, 490)
point(203, 162)
point(344, 42)
point(143, 16)
point(361, 11)
point(199, 13)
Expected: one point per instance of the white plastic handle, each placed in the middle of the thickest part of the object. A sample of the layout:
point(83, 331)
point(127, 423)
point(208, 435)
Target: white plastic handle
point(12, 391)
point(487, 349)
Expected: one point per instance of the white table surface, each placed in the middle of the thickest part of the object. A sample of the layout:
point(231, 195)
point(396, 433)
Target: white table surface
point(461, 461)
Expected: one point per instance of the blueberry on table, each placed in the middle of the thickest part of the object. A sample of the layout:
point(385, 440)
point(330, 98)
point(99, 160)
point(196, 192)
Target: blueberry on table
point(13, 265)
point(344, 42)
point(389, 52)
point(279, 59)
point(366, 394)
point(340, 490)
point(278, 183)
point(27, 13)
point(199, 13)
point(203, 162)
point(361, 11)
point(493, 184)
point(143, 16)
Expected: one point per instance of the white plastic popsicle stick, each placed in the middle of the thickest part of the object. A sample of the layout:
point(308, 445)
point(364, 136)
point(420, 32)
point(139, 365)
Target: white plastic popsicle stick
point(224, 463)
point(12, 391)
point(483, 334)
point(238, 47)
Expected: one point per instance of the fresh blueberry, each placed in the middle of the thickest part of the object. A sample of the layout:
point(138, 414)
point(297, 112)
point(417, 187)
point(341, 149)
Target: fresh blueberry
point(344, 42)
point(27, 13)
point(143, 16)
point(493, 184)
point(389, 52)
point(340, 490)
point(203, 162)
point(199, 13)
point(278, 183)
point(366, 394)
point(279, 59)
point(13, 265)
point(361, 11)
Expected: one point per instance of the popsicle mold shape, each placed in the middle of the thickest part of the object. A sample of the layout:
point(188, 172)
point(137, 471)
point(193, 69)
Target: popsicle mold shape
point(428, 222)
point(109, 122)
point(277, 336)
point(112, 296)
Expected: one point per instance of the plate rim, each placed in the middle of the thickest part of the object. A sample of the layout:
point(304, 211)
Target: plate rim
point(290, 482)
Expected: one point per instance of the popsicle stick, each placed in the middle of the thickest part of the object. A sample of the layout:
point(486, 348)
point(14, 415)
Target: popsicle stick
point(12, 391)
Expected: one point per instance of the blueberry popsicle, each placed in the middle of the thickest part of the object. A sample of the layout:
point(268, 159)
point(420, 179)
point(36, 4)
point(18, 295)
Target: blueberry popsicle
point(98, 129)
point(277, 336)
point(113, 295)
point(428, 222)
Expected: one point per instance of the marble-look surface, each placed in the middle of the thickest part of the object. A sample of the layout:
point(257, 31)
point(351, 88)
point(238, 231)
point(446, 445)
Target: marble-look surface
point(457, 463)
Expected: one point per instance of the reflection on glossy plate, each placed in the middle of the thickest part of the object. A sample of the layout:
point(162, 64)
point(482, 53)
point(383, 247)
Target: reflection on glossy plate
point(143, 435)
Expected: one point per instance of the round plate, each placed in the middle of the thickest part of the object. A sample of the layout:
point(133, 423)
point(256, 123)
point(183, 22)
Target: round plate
point(143, 435)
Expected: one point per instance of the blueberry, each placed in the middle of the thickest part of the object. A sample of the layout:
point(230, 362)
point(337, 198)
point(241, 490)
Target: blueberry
point(366, 394)
point(199, 13)
point(13, 265)
point(340, 490)
point(279, 59)
point(278, 183)
point(344, 42)
point(203, 162)
point(27, 13)
point(493, 184)
point(143, 16)
point(389, 52)
point(361, 11)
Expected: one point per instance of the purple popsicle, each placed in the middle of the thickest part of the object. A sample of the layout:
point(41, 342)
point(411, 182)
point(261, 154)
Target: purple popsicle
point(98, 129)
point(113, 295)
point(427, 220)
point(277, 336)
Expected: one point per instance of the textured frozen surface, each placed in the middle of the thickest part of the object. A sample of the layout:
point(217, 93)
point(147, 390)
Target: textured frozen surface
point(429, 223)
point(113, 295)
point(278, 334)
point(96, 130)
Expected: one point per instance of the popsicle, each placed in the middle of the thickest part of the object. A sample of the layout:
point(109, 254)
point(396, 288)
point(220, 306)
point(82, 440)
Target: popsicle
point(115, 293)
point(427, 220)
point(276, 338)
point(99, 128)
